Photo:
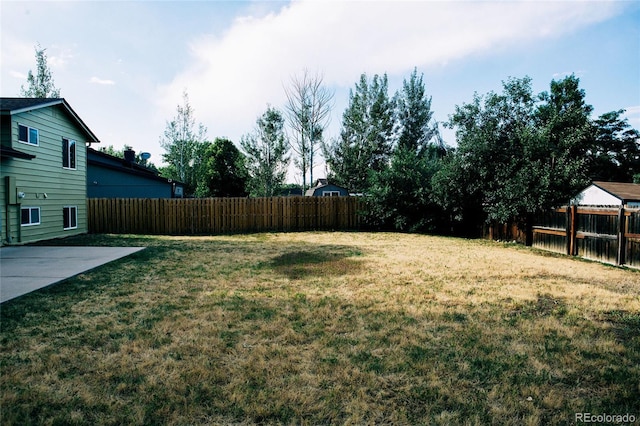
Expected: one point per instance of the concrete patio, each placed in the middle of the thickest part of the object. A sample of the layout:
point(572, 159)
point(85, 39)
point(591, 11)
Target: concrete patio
point(24, 269)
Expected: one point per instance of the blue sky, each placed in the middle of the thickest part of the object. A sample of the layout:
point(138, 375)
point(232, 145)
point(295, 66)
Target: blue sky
point(123, 65)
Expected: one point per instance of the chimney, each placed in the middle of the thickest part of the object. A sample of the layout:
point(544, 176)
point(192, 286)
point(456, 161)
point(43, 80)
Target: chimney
point(129, 155)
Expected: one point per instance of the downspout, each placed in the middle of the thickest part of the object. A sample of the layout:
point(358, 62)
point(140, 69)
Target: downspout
point(8, 221)
point(18, 208)
point(10, 199)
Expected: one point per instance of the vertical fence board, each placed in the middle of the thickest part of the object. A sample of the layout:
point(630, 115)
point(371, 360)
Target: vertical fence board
point(610, 235)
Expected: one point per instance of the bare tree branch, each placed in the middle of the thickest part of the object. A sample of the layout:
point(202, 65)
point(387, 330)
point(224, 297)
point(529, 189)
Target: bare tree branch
point(308, 112)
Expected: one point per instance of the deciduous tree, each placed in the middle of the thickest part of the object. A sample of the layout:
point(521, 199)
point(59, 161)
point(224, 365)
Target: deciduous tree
point(181, 141)
point(616, 152)
point(519, 153)
point(559, 162)
point(222, 171)
point(308, 111)
point(41, 84)
point(401, 195)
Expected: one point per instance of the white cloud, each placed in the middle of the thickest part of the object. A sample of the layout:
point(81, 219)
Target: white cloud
point(230, 79)
point(17, 74)
point(561, 75)
point(58, 56)
point(18, 53)
point(632, 113)
point(103, 82)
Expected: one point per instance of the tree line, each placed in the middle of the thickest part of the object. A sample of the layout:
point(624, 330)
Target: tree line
point(517, 153)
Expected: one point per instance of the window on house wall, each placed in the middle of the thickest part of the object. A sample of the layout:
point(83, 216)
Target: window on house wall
point(330, 193)
point(30, 216)
point(28, 135)
point(70, 217)
point(68, 154)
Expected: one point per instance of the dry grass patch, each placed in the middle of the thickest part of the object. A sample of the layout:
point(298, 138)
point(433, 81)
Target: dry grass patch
point(324, 328)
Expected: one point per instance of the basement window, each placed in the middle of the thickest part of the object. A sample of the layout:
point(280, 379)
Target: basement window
point(29, 216)
point(28, 135)
point(70, 217)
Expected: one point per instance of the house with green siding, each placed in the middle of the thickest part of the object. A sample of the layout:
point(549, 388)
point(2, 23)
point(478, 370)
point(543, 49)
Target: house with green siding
point(43, 154)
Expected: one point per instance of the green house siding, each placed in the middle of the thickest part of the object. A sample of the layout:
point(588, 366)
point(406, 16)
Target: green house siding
point(43, 180)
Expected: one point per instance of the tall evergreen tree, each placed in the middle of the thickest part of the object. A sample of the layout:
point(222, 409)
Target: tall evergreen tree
point(266, 150)
point(41, 84)
point(416, 128)
point(401, 195)
point(366, 137)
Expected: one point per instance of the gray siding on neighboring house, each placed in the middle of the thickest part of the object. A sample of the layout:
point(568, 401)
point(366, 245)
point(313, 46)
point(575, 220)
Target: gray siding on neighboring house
point(113, 177)
point(109, 183)
point(43, 180)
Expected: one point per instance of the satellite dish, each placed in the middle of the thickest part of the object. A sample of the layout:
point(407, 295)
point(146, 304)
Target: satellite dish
point(145, 155)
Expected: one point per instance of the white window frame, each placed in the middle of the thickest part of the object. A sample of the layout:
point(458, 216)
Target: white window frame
point(30, 216)
point(67, 155)
point(330, 193)
point(29, 134)
point(73, 217)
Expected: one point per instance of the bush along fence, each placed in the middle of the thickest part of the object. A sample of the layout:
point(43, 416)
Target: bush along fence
point(610, 235)
point(209, 216)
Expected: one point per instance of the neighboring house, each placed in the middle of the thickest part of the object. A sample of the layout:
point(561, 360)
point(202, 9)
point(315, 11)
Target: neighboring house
point(43, 193)
point(609, 194)
point(114, 177)
point(325, 189)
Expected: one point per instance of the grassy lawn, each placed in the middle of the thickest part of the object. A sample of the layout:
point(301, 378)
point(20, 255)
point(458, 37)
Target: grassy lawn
point(324, 328)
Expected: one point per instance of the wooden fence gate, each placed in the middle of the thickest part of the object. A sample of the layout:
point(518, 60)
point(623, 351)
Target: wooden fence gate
point(610, 235)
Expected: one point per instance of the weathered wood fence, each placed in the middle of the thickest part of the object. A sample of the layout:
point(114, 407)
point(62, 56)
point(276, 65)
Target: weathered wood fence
point(207, 216)
point(610, 235)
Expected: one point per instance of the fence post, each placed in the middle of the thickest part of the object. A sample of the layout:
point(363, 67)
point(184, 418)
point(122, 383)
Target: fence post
point(572, 228)
point(568, 229)
point(621, 238)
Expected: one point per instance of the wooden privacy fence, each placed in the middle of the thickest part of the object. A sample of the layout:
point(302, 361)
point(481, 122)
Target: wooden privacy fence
point(206, 216)
point(610, 235)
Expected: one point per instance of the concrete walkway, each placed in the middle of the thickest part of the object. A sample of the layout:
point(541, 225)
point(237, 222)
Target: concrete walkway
point(24, 269)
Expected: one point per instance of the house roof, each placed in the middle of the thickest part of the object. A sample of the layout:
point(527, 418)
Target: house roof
point(10, 106)
point(122, 165)
point(9, 152)
point(624, 191)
